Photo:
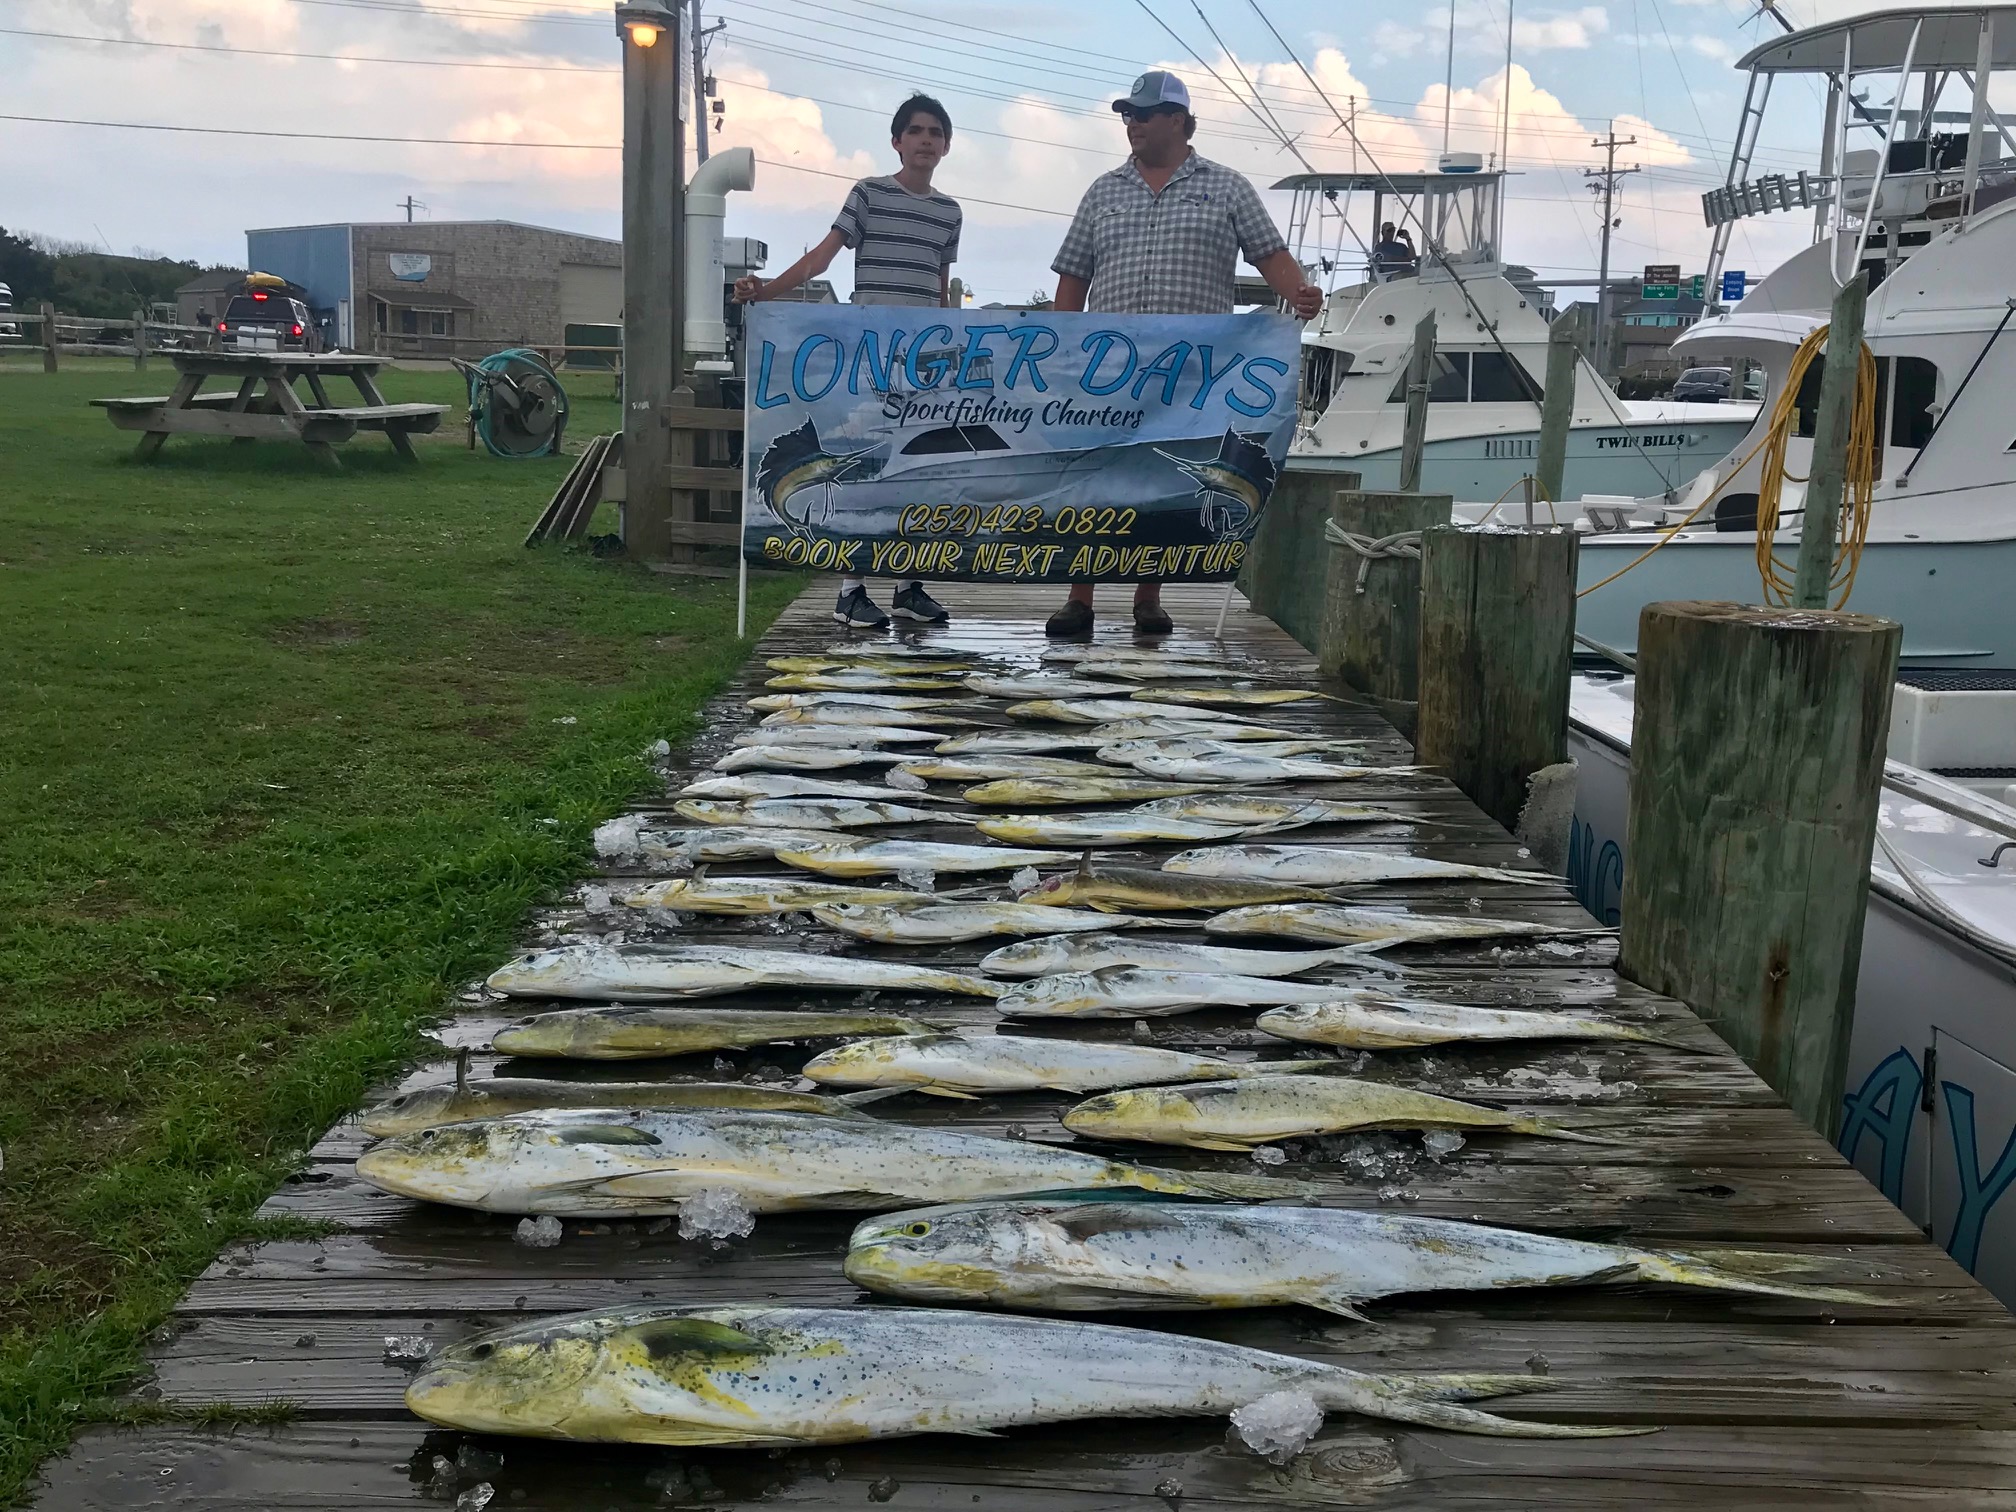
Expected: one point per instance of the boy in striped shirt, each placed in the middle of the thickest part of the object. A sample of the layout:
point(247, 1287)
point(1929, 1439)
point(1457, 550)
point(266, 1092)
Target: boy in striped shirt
point(905, 237)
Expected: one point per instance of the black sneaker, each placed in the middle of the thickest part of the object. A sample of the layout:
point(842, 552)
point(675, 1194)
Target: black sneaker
point(857, 611)
point(913, 603)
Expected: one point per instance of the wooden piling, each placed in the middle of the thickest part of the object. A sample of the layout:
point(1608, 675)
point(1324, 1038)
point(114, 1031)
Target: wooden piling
point(1414, 425)
point(1497, 645)
point(1557, 409)
point(48, 337)
point(1371, 620)
point(1828, 476)
point(1276, 574)
point(1756, 755)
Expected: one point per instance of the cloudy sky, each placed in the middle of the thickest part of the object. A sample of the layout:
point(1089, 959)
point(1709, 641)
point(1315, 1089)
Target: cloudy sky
point(809, 85)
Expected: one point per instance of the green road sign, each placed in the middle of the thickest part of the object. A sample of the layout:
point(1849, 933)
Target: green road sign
point(1697, 286)
point(1659, 291)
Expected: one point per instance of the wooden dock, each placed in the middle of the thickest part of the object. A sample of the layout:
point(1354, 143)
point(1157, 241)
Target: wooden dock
point(1762, 1403)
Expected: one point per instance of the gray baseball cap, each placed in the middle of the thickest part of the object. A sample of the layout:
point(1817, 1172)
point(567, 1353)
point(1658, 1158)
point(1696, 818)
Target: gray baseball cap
point(1157, 87)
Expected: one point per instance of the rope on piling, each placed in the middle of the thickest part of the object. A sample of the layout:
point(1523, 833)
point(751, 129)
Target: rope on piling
point(1402, 543)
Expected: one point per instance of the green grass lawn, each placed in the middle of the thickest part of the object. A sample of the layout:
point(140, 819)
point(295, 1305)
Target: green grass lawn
point(284, 755)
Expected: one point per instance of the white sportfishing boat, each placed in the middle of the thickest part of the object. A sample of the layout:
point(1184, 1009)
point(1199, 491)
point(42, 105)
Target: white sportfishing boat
point(1914, 183)
point(1490, 357)
point(1929, 1115)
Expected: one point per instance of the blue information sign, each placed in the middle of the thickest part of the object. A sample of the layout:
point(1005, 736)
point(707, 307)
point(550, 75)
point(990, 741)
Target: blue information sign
point(1732, 285)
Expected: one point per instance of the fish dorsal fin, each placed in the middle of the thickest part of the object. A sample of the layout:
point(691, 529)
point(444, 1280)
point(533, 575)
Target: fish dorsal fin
point(666, 1338)
point(607, 1134)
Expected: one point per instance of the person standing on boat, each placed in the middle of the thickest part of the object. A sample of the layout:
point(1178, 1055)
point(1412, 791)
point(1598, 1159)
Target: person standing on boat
point(1392, 254)
point(905, 237)
point(1161, 235)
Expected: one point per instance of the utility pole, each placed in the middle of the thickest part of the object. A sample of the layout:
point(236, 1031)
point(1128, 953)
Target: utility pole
point(654, 268)
point(703, 84)
point(409, 205)
point(1603, 182)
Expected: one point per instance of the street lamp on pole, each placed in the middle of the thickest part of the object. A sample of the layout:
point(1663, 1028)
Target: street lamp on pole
point(654, 315)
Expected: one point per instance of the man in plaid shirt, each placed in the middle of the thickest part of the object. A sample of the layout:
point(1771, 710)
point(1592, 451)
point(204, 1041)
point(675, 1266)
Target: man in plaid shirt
point(1161, 235)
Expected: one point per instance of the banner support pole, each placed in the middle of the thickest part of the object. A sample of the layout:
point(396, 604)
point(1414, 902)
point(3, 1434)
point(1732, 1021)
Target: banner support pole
point(1223, 604)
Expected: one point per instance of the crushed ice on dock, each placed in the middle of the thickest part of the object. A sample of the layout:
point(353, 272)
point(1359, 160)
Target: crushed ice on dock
point(1278, 1425)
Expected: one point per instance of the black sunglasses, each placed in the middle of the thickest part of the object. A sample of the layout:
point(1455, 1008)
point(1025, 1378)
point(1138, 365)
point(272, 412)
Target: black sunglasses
point(1133, 113)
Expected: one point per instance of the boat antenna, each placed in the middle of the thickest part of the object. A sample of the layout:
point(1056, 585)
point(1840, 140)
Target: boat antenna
point(1448, 77)
point(1504, 131)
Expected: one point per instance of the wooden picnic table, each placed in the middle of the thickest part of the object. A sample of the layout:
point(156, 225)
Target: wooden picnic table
point(266, 405)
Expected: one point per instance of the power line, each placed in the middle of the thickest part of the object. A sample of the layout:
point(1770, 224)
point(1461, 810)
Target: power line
point(329, 136)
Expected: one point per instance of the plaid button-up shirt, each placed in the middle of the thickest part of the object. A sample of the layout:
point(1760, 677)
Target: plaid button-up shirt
point(1171, 253)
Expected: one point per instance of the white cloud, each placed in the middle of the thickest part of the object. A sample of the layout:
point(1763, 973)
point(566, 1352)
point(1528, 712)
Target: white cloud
point(1571, 29)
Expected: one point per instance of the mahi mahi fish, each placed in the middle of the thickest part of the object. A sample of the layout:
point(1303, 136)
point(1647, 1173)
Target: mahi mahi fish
point(726, 842)
point(1326, 866)
point(809, 813)
point(1120, 888)
point(1101, 829)
point(749, 896)
point(747, 785)
point(1366, 1019)
point(656, 973)
point(869, 858)
point(951, 923)
point(786, 703)
point(866, 716)
point(1127, 752)
point(649, 1033)
point(1214, 696)
point(1186, 664)
point(863, 681)
point(1272, 813)
point(1106, 710)
point(1234, 766)
point(1101, 1256)
point(1187, 728)
point(1376, 928)
point(901, 666)
point(466, 1101)
point(637, 1163)
point(800, 758)
point(821, 734)
point(1140, 991)
point(763, 1375)
point(1063, 792)
point(968, 1064)
point(1240, 1115)
point(1037, 687)
point(998, 768)
point(1095, 952)
point(1001, 742)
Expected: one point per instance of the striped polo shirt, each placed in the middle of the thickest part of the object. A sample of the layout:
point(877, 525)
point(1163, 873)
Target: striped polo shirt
point(902, 242)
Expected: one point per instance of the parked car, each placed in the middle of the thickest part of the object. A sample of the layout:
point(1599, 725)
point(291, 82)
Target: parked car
point(1706, 385)
point(9, 329)
point(263, 321)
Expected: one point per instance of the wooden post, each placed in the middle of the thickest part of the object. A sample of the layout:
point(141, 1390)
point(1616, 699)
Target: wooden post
point(48, 337)
point(1414, 427)
point(1497, 648)
point(1557, 409)
point(139, 340)
point(1756, 755)
point(1828, 475)
point(1371, 626)
point(1275, 572)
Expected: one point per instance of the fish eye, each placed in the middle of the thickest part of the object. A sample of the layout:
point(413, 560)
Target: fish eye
point(428, 1135)
point(917, 1230)
point(482, 1351)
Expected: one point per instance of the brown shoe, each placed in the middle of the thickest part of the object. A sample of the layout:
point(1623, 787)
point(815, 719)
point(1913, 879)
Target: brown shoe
point(1152, 619)
point(1072, 622)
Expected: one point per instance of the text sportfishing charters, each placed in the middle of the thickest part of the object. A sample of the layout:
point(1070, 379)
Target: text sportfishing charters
point(907, 409)
point(1105, 362)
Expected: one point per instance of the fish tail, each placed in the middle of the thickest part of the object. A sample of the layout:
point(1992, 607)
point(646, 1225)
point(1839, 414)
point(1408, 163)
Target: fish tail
point(1431, 1402)
point(1548, 1129)
point(869, 1095)
point(1222, 1184)
point(1745, 1271)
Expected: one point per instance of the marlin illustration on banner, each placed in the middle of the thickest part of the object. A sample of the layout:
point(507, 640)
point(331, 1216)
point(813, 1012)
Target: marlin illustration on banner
point(1233, 484)
point(796, 461)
